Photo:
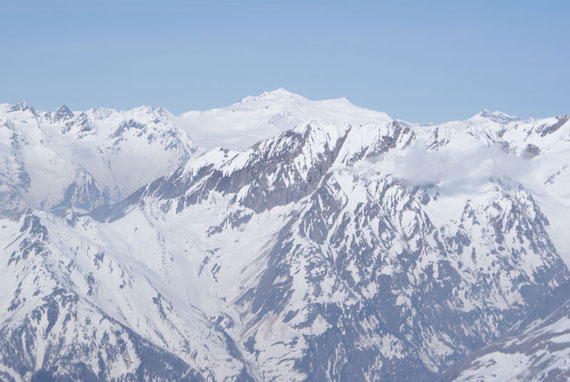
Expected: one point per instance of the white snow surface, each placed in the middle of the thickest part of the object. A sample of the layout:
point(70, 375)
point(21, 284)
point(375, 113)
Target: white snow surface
point(252, 119)
point(179, 270)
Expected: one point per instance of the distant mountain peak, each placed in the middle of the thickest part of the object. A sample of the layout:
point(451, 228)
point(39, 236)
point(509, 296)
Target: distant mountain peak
point(254, 118)
point(21, 106)
point(495, 116)
point(280, 92)
point(63, 112)
point(284, 95)
point(279, 95)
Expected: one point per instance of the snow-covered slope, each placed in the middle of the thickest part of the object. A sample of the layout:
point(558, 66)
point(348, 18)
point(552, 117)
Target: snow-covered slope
point(342, 245)
point(431, 272)
point(538, 352)
point(61, 159)
point(252, 119)
point(535, 153)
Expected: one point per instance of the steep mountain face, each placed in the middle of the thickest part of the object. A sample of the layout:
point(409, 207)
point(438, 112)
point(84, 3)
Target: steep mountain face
point(350, 245)
point(363, 264)
point(538, 352)
point(76, 310)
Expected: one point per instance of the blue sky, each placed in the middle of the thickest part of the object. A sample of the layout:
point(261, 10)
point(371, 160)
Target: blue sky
point(416, 60)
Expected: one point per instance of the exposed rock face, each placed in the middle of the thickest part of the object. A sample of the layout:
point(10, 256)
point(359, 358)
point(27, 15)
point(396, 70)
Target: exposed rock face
point(332, 251)
point(536, 351)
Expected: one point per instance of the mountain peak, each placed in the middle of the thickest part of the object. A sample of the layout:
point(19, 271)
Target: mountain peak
point(495, 116)
point(62, 113)
point(279, 94)
point(254, 118)
point(63, 110)
point(20, 106)
point(282, 92)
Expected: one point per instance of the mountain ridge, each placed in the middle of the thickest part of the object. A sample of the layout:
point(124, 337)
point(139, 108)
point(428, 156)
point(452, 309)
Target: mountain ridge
point(341, 247)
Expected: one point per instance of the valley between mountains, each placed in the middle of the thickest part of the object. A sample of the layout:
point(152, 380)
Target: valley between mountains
point(282, 239)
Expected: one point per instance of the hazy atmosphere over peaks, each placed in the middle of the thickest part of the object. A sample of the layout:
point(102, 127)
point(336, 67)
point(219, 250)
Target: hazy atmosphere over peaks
point(296, 191)
point(417, 60)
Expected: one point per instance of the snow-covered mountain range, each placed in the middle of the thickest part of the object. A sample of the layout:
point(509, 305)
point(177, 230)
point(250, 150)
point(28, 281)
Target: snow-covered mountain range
point(282, 239)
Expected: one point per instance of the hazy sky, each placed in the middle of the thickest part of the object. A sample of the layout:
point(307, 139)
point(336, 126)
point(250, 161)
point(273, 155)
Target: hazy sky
point(416, 60)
